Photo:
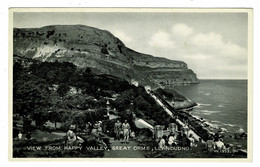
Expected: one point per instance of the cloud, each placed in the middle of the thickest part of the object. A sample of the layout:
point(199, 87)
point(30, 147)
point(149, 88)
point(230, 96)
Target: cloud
point(211, 39)
point(198, 56)
point(122, 36)
point(181, 29)
point(209, 54)
point(161, 39)
point(232, 49)
point(212, 43)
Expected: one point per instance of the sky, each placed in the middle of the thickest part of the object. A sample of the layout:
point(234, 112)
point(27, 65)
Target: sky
point(214, 45)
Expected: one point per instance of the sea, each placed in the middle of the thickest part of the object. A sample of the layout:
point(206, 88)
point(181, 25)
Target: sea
point(222, 103)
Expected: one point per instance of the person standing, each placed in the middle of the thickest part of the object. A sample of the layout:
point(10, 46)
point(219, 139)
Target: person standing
point(182, 140)
point(219, 144)
point(94, 130)
point(20, 135)
point(186, 129)
point(100, 129)
point(217, 136)
point(117, 129)
point(192, 141)
point(126, 131)
point(210, 144)
point(88, 128)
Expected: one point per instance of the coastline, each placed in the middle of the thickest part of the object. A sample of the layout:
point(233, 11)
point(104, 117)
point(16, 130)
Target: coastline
point(202, 126)
point(186, 105)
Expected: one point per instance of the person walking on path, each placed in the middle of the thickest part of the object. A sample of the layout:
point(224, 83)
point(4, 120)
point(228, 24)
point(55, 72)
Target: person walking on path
point(126, 131)
point(117, 129)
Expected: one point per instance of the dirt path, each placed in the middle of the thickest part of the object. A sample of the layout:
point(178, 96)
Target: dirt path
point(122, 150)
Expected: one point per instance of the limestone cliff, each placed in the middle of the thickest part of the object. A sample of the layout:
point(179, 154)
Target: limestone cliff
point(100, 50)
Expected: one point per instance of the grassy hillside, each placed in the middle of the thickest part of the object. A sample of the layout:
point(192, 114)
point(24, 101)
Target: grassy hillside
point(98, 49)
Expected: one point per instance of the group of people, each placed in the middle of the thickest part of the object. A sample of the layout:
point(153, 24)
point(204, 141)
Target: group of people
point(26, 136)
point(164, 141)
point(215, 143)
point(179, 137)
point(175, 139)
point(240, 134)
point(122, 131)
point(95, 130)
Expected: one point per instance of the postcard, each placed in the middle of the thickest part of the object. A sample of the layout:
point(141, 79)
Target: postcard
point(130, 83)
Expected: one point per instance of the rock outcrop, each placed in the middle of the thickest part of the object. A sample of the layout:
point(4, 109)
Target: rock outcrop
point(101, 51)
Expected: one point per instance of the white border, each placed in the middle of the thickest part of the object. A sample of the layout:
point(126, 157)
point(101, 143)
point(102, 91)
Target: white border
point(144, 10)
point(119, 3)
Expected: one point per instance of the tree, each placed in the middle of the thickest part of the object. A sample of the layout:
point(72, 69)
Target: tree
point(79, 119)
point(87, 71)
point(40, 118)
point(17, 70)
point(142, 104)
point(30, 95)
point(65, 115)
point(63, 89)
point(76, 102)
point(54, 73)
point(55, 116)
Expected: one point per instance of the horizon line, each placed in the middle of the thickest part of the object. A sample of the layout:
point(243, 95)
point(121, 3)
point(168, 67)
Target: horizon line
point(223, 79)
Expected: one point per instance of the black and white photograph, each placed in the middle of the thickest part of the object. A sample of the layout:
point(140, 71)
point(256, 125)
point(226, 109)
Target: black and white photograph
point(124, 83)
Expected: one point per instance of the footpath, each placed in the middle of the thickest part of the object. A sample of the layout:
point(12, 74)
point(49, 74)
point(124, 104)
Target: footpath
point(159, 101)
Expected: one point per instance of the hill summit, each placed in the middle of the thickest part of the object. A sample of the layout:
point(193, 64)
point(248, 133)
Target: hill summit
point(101, 51)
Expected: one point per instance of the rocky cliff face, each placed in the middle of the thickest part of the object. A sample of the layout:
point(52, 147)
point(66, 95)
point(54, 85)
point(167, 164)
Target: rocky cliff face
point(100, 50)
